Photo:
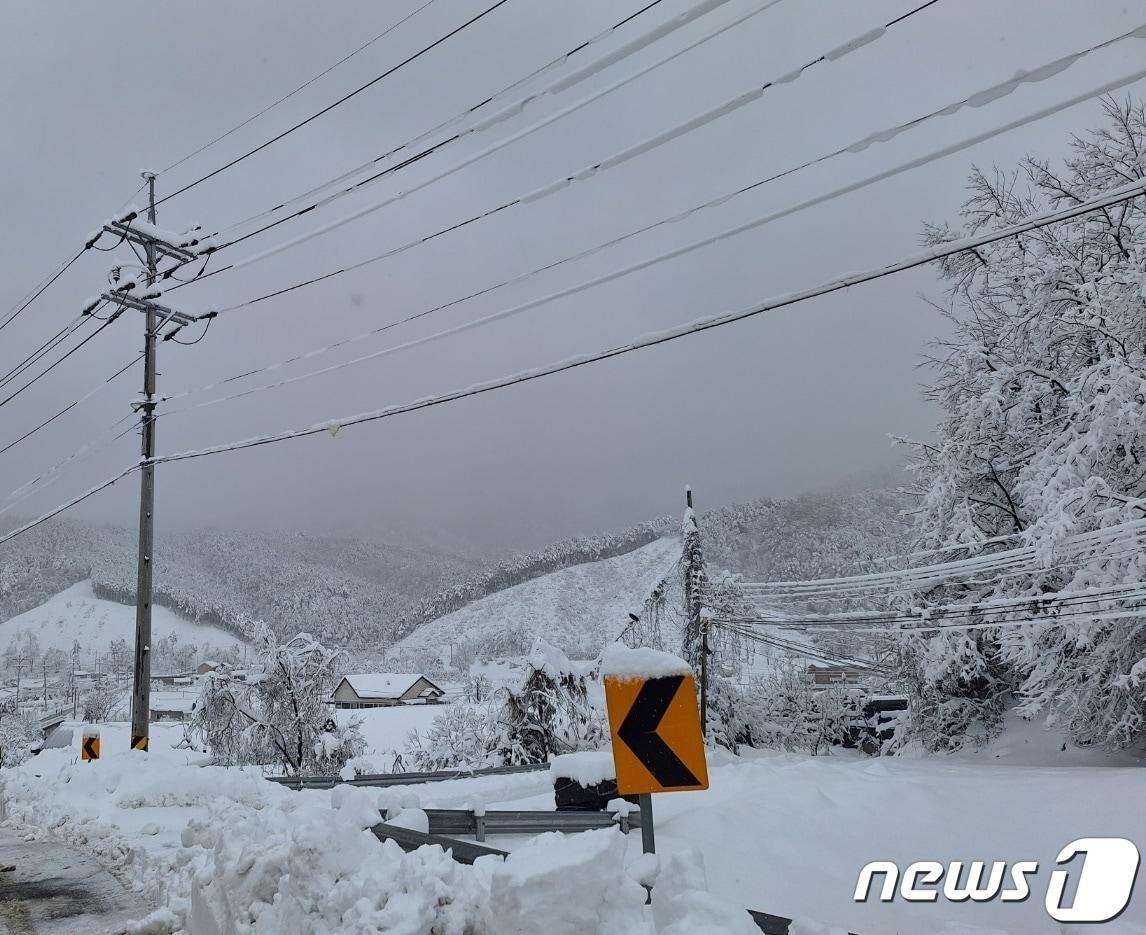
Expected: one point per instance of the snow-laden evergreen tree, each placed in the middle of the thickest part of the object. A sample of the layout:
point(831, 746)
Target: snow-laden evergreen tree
point(1043, 392)
point(279, 714)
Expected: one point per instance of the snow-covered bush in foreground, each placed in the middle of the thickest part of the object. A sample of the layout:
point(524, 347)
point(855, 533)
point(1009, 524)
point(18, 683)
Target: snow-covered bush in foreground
point(1043, 390)
point(277, 715)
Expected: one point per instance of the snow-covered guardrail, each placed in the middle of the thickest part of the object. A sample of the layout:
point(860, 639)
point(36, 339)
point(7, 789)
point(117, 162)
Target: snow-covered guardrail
point(450, 821)
point(402, 779)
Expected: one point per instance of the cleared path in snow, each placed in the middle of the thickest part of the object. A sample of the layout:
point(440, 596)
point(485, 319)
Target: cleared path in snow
point(55, 891)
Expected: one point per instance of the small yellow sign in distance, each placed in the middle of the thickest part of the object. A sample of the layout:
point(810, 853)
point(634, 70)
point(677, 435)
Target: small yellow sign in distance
point(657, 742)
point(89, 749)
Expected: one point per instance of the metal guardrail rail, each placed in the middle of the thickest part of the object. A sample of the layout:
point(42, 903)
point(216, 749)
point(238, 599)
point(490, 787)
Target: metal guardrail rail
point(464, 852)
point(402, 779)
point(451, 821)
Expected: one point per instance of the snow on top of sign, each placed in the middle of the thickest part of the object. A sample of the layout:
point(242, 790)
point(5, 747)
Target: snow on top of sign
point(622, 662)
point(588, 768)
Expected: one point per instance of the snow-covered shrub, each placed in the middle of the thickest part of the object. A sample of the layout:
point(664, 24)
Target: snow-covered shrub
point(101, 702)
point(552, 712)
point(19, 736)
point(461, 736)
point(478, 688)
point(1043, 392)
point(786, 710)
point(280, 713)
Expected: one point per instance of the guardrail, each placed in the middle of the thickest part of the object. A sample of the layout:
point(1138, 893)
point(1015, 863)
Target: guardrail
point(464, 852)
point(452, 821)
point(402, 779)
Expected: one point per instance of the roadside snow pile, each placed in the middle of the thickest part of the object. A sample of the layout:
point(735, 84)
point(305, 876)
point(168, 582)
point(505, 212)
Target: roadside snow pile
point(221, 851)
point(296, 868)
point(558, 885)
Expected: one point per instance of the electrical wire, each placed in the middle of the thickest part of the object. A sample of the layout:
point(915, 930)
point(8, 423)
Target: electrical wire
point(682, 129)
point(469, 112)
point(672, 254)
point(329, 107)
point(513, 109)
point(306, 84)
point(60, 360)
point(72, 405)
point(939, 251)
point(21, 307)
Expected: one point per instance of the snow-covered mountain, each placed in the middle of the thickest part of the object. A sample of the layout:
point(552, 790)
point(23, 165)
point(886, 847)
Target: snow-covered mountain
point(577, 608)
point(77, 616)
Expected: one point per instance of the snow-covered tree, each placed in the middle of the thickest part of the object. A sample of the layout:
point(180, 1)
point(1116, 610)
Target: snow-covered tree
point(552, 713)
point(1043, 392)
point(280, 713)
point(461, 736)
point(19, 736)
point(784, 709)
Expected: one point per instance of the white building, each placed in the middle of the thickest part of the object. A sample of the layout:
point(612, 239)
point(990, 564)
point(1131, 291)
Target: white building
point(382, 689)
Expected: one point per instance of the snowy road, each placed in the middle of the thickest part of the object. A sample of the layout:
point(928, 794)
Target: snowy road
point(55, 891)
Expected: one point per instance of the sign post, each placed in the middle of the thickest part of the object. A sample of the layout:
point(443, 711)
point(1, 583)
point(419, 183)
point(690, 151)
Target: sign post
point(655, 726)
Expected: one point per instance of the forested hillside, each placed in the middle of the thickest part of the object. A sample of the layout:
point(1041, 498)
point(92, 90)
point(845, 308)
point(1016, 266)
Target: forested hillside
point(816, 535)
point(354, 592)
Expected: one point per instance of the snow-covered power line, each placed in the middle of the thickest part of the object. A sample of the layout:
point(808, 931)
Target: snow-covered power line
point(54, 472)
point(482, 124)
point(671, 254)
point(306, 84)
point(937, 252)
point(604, 164)
point(73, 404)
point(476, 113)
point(57, 510)
point(25, 303)
point(329, 107)
point(52, 366)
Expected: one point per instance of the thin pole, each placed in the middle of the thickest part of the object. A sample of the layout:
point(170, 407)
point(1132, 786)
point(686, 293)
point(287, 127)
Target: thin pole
point(648, 840)
point(141, 688)
point(704, 675)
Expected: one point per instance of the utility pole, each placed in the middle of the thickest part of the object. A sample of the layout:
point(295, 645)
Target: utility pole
point(44, 672)
point(141, 687)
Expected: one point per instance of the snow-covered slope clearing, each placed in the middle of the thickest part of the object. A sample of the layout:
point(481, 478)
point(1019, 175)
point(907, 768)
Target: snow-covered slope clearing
point(577, 608)
point(77, 615)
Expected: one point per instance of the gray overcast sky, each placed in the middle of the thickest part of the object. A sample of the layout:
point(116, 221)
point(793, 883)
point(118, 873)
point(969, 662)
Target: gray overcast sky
point(776, 405)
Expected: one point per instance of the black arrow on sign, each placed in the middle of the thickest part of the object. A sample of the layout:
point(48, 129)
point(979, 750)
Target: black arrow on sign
point(89, 748)
point(639, 731)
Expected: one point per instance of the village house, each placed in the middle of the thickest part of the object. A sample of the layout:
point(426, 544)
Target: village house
point(384, 689)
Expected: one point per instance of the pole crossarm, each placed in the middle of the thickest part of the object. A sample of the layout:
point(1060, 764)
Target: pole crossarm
point(176, 252)
point(166, 314)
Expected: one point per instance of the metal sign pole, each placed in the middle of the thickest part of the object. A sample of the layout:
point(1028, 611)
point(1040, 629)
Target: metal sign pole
point(648, 840)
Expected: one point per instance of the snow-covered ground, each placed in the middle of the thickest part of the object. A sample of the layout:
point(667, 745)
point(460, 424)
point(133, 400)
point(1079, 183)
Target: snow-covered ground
point(586, 605)
point(786, 834)
point(77, 614)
